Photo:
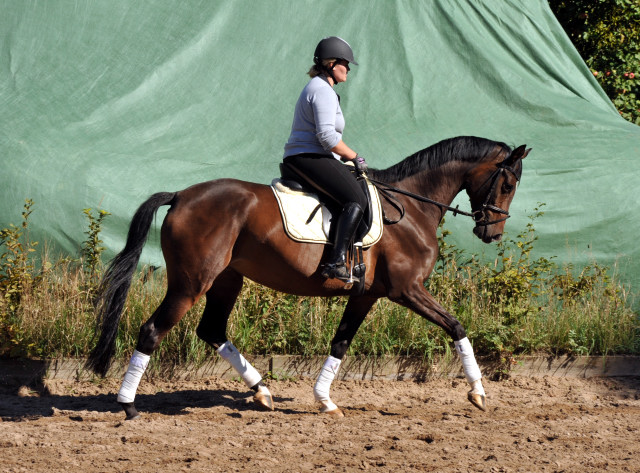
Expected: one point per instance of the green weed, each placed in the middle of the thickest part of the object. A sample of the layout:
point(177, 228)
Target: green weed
point(91, 249)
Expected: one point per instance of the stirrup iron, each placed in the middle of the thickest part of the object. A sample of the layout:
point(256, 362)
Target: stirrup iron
point(332, 271)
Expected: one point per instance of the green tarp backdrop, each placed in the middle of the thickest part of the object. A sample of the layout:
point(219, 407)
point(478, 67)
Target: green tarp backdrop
point(106, 102)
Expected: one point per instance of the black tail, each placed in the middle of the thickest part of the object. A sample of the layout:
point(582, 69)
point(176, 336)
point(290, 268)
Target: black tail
point(114, 287)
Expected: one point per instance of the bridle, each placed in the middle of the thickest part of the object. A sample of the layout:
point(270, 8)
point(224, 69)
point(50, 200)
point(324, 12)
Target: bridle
point(480, 216)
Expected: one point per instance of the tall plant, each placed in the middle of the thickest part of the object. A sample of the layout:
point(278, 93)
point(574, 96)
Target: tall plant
point(16, 266)
point(92, 248)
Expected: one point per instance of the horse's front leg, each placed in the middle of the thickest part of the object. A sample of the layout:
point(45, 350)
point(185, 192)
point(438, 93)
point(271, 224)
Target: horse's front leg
point(419, 300)
point(354, 314)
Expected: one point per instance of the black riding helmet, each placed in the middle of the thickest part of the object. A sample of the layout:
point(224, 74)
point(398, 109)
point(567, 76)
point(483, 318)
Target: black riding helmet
point(333, 47)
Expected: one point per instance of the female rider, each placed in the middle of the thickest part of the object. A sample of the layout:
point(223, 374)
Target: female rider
point(315, 148)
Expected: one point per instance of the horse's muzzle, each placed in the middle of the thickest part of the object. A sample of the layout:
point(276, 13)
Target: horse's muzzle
point(481, 232)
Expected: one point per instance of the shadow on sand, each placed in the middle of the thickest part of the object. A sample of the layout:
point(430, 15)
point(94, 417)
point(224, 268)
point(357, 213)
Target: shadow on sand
point(24, 396)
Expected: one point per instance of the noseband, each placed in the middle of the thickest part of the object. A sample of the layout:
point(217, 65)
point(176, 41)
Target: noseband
point(480, 216)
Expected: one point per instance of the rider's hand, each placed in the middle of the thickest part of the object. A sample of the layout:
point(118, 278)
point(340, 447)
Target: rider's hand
point(360, 164)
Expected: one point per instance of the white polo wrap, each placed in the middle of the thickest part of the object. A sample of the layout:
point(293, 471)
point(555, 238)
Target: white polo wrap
point(247, 372)
point(137, 366)
point(469, 365)
point(323, 383)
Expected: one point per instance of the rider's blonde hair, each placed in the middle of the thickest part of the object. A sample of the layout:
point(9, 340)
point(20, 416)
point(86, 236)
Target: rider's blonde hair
point(316, 69)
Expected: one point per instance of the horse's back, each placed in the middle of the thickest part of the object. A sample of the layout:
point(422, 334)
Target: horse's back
point(228, 223)
point(211, 196)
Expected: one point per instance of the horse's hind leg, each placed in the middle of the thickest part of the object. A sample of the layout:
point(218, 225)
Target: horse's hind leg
point(175, 305)
point(213, 330)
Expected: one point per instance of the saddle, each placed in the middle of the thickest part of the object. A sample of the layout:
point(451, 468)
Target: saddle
point(307, 212)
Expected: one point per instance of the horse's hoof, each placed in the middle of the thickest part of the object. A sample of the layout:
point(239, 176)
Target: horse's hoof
point(335, 413)
point(478, 400)
point(329, 408)
point(130, 410)
point(263, 398)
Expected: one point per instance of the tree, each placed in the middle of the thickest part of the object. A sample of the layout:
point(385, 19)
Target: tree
point(606, 33)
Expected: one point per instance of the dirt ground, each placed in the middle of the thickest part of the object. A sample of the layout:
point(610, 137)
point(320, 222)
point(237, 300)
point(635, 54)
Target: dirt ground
point(532, 424)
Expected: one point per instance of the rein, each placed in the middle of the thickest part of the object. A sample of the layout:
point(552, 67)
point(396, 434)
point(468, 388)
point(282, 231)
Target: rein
point(479, 216)
point(385, 190)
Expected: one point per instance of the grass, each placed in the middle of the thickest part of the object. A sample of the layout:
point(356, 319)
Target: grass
point(515, 305)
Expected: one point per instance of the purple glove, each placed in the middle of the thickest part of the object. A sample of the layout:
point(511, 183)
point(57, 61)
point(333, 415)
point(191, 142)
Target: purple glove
point(360, 164)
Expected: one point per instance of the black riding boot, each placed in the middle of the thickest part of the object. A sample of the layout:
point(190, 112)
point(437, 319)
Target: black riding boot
point(335, 266)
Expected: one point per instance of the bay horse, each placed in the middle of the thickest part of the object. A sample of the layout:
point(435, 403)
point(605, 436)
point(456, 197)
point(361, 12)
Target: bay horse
point(216, 233)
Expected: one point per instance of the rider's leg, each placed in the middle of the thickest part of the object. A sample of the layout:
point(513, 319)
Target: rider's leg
point(335, 180)
point(348, 221)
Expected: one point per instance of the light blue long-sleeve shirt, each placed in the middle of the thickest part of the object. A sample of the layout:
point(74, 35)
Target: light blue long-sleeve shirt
point(318, 122)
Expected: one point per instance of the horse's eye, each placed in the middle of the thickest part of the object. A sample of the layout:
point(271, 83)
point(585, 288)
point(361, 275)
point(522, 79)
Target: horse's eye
point(506, 188)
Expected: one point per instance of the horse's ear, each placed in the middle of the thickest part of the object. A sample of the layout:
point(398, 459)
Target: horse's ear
point(520, 152)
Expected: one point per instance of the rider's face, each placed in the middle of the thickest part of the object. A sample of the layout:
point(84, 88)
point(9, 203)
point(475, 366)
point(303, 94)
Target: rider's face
point(340, 70)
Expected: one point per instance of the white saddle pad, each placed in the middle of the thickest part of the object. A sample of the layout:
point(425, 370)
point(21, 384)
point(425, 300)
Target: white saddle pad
point(296, 207)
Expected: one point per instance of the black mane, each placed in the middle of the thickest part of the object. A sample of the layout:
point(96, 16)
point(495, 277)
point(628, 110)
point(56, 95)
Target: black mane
point(461, 148)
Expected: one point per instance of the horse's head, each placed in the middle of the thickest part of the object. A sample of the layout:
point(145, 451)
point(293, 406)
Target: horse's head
point(491, 186)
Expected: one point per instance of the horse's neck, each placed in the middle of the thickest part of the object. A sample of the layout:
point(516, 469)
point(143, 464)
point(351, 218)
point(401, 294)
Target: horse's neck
point(441, 184)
